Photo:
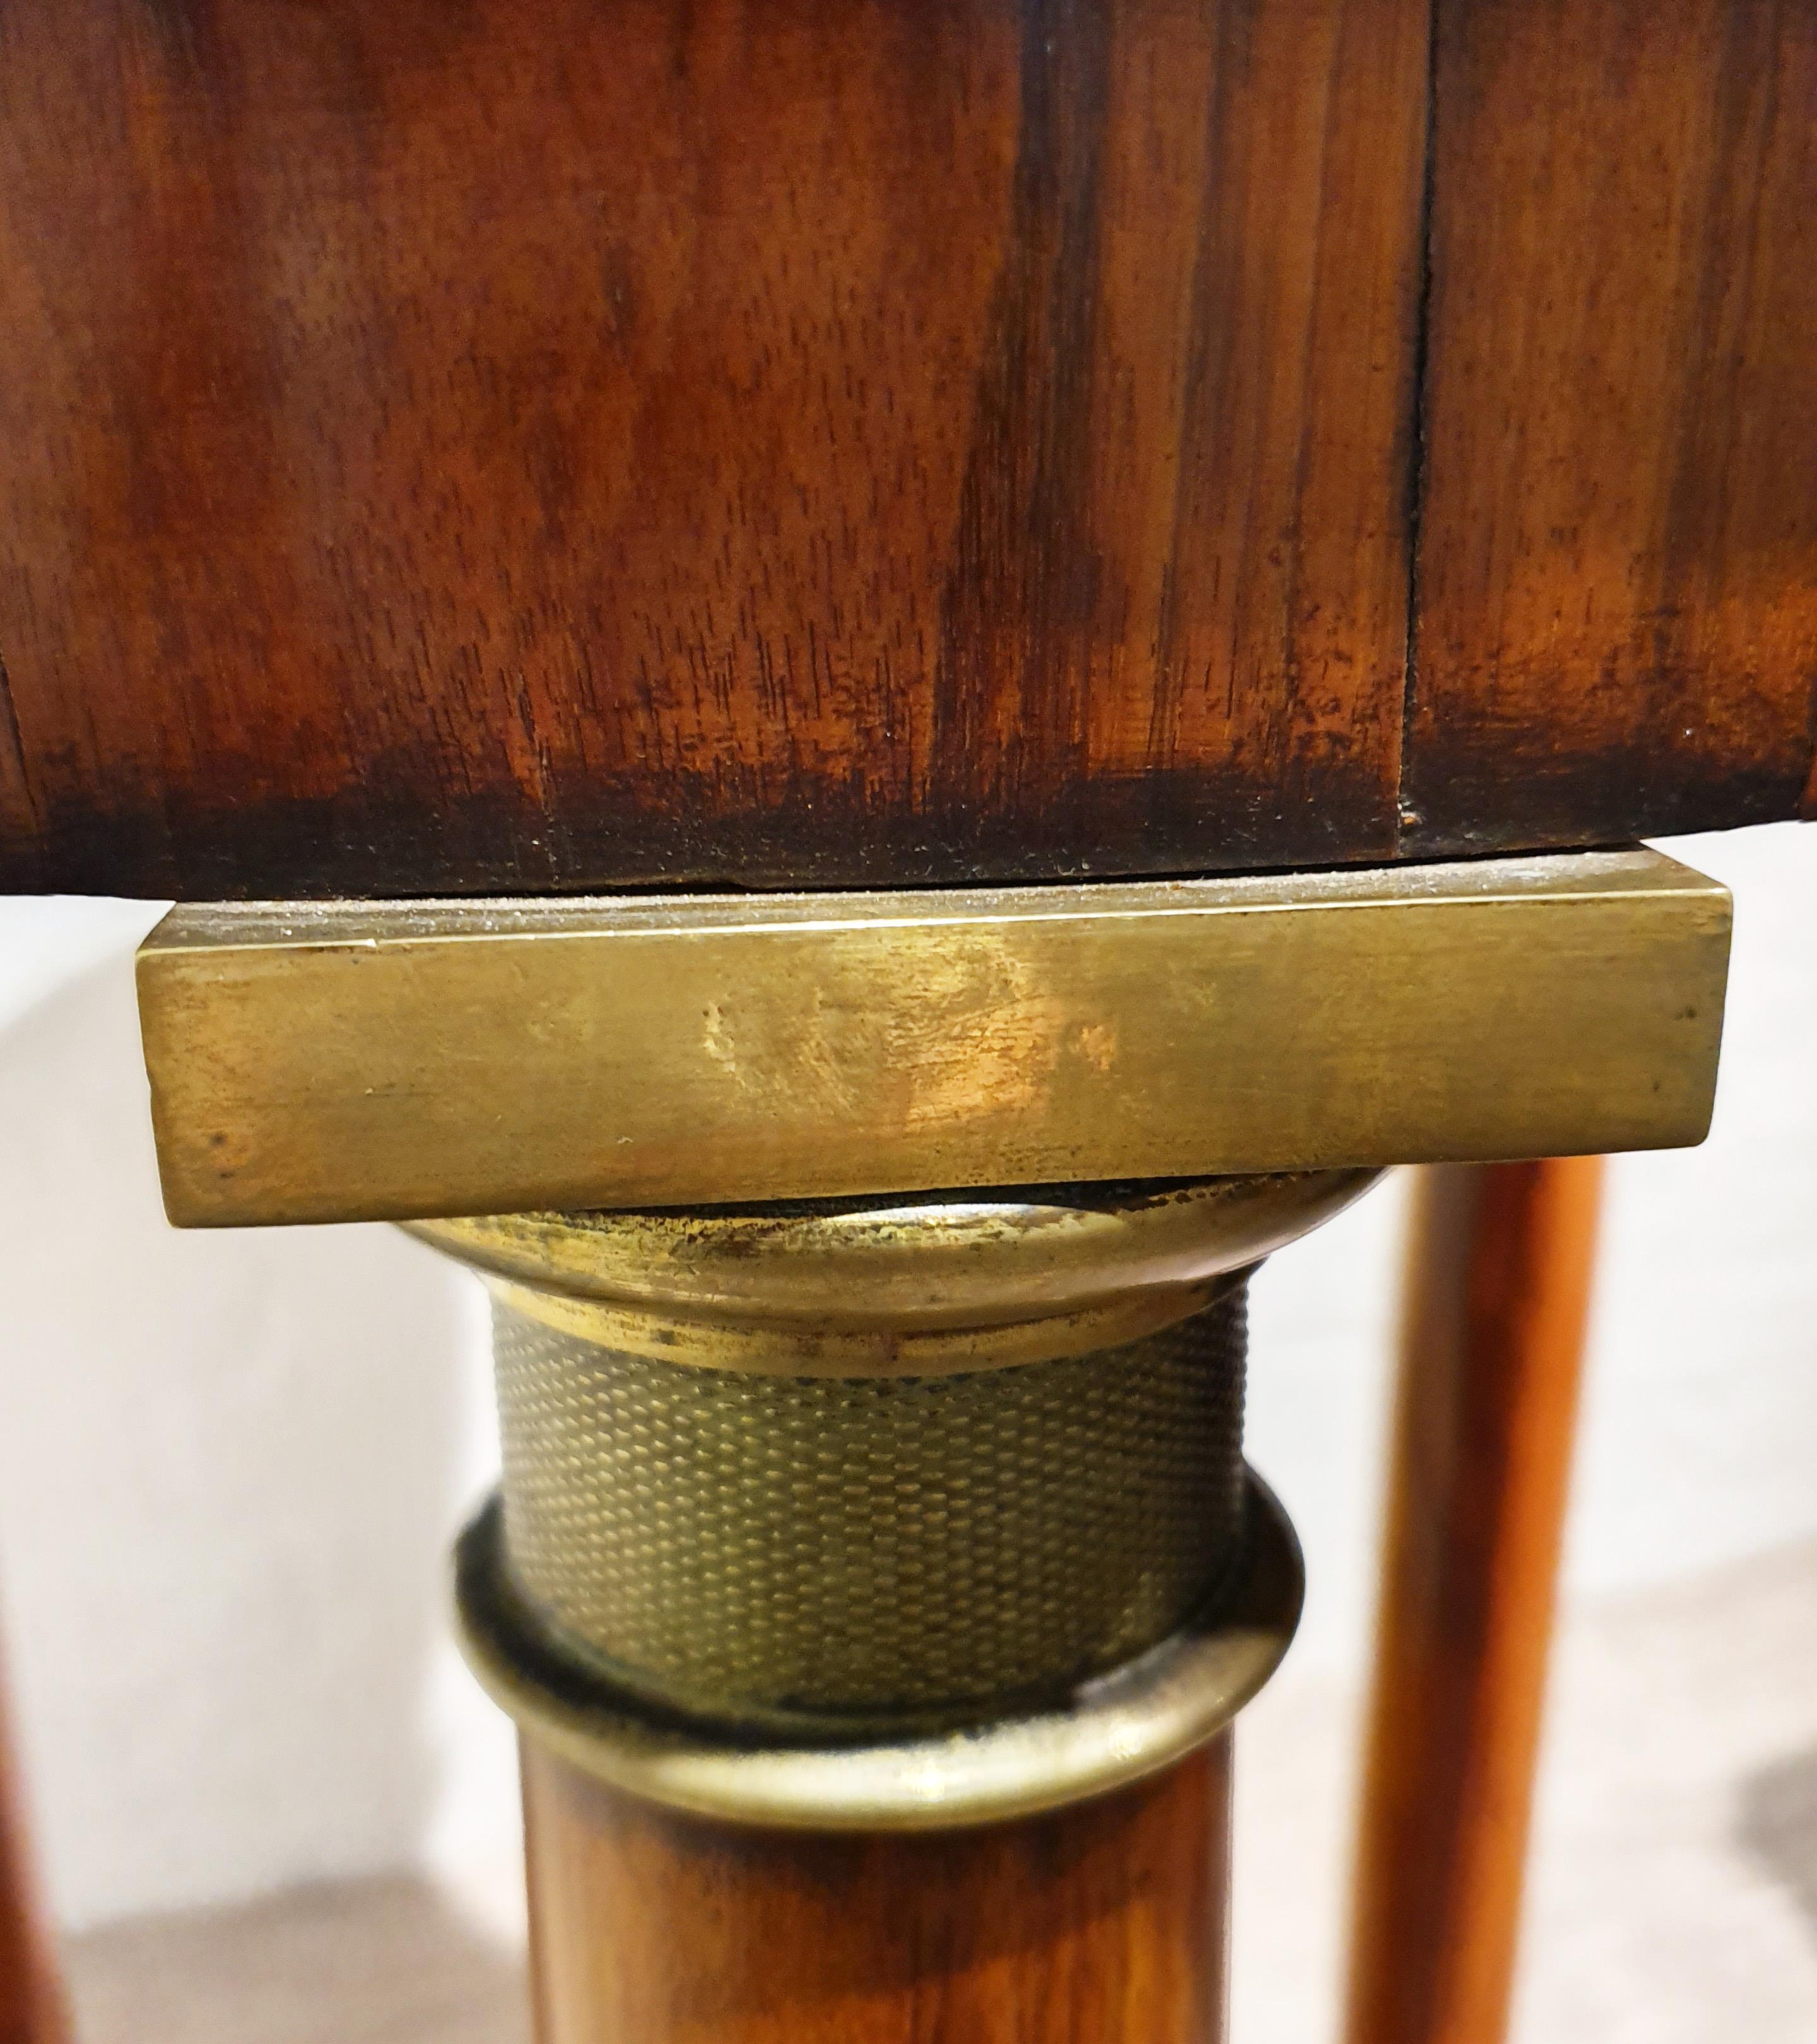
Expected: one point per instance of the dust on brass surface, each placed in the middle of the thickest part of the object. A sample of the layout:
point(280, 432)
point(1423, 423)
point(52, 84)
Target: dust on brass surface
point(736, 1542)
point(868, 1288)
point(942, 1591)
point(414, 1059)
point(1133, 1723)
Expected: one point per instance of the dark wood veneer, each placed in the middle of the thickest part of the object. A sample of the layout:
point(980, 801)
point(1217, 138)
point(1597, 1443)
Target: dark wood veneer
point(1617, 569)
point(756, 441)
point(460, 447)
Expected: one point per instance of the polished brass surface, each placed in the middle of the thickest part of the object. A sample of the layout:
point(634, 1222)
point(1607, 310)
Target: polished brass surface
point(332, 1062)
point(897, 1289)
point(1107, 1733)
point(755, 1548)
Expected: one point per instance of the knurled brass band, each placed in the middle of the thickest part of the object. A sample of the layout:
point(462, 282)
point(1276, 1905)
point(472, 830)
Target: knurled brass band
point(1127, 1725)
point(741, 1545)
point(857, 1513)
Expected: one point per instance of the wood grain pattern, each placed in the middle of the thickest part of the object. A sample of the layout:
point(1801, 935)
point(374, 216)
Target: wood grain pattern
point(475, 447)
point(33, 2008)
point(468, 448)
point(1103, 1923)
point(1498, 1289)
point(1617, 570)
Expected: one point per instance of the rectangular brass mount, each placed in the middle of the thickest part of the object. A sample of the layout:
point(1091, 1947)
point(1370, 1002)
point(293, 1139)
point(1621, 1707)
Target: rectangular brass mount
point(345, 1061)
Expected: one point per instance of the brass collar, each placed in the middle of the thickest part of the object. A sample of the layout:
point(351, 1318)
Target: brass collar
point(918, 1288)
point(1114, 1731)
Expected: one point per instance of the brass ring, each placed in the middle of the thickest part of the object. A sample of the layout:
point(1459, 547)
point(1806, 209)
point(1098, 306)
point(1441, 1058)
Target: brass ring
point(768, 1349)
point(875, 1288)
point(1111, 1731)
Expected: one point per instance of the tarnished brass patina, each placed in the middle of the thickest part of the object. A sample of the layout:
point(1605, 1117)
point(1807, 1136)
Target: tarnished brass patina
point(800, 1556)
point(848, 1512)
point(863, 1287)
point(832, 1500)
point(348, 1060)
point(1133, 1723)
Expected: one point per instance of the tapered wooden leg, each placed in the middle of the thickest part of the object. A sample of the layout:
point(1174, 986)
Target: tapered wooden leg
point(32, 2009)
point(1499, 1282)
point(1103, 1924)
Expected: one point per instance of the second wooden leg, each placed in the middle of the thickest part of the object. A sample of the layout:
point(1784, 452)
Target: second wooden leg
point(1498, 1285)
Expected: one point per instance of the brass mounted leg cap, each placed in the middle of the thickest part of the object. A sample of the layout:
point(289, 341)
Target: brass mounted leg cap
point(870, 1516)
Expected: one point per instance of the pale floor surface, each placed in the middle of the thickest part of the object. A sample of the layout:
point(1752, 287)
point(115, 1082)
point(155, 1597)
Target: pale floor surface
point(1673, 1898)
point(1672, 1892)
point(378, 1961)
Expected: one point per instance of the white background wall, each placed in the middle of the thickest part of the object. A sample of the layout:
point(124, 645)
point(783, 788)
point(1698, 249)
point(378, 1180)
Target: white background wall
point(229, 1466)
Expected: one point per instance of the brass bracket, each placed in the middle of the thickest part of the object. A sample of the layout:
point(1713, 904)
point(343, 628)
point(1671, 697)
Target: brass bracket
point(313, 1062)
